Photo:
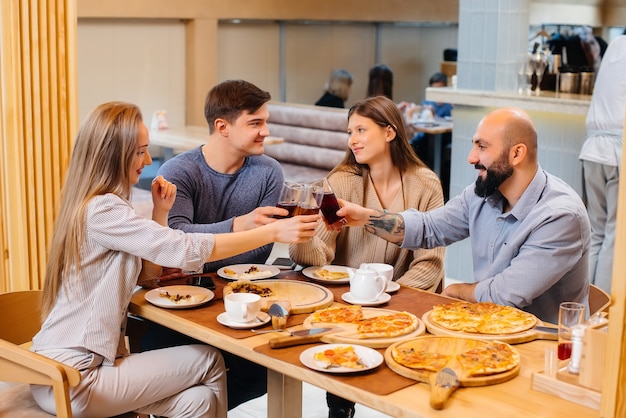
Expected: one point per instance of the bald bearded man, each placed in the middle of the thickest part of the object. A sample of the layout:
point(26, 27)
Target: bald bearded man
point(529, 230)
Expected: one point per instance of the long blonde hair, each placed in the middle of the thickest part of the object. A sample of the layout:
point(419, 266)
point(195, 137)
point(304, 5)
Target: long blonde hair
point(100, 163)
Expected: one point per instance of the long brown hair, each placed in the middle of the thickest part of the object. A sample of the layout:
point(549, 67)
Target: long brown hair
point(383, 112)
point(380, 82)
point(101, 160)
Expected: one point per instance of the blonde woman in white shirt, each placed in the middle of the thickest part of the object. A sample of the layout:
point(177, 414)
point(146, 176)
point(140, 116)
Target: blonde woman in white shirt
point(95, 260)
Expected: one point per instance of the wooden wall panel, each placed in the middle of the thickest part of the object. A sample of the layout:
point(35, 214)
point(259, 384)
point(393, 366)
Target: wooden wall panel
point(38, 119)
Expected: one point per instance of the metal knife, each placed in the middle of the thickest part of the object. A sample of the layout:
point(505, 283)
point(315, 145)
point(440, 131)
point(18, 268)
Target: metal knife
point(546, 333)
point(303, 336)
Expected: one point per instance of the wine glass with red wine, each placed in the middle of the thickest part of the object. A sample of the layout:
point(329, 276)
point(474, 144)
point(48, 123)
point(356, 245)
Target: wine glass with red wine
point(311, 200)
point(290, 196)
point(329, 205)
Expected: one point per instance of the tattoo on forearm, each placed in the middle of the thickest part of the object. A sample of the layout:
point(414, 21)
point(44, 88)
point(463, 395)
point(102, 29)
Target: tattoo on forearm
point(388, 226)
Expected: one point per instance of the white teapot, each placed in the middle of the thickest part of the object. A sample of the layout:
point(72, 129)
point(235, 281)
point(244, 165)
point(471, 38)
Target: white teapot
point(367, 285)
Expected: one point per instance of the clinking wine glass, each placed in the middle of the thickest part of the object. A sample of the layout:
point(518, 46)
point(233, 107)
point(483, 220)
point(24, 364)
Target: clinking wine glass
point(290, 196)
point(538, 64)
point(310, 201)
point(330, 206)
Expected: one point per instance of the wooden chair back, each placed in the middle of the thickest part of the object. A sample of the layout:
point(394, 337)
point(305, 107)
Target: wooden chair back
point(599, 300)
point(20, 322)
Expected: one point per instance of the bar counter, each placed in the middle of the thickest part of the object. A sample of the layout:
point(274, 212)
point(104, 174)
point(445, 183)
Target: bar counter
point(545, 101)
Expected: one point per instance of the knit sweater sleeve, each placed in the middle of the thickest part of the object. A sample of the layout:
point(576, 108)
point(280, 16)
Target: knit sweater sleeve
point(426, 269)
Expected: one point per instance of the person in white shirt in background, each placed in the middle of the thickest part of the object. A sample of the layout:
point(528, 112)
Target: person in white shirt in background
point(601, 156)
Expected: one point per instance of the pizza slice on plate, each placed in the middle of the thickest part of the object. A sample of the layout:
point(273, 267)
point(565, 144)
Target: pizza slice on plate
point(339, 356)
point(326, 274)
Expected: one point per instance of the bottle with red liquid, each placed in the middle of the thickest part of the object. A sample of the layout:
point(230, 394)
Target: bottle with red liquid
point(330, 206)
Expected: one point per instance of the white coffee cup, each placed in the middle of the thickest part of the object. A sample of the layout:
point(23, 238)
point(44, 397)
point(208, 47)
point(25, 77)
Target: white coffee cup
point(382, 269)
point(242, 307)
point(367, 285)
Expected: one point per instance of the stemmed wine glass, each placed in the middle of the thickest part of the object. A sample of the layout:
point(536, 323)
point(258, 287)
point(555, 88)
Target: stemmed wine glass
point(538, 63)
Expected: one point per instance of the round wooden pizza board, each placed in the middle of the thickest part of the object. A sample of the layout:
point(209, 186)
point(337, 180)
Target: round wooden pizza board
point(305, 297)
point(348, 334)
point(516, 338)
point(450, 346)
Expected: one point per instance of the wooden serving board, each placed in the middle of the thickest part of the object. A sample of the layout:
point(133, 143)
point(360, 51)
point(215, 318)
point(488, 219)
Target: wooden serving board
point(450, 346)
point(305, 297)
point(348, 335)
point(517, 338)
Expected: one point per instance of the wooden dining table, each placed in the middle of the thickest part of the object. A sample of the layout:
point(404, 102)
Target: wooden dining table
point(380, 388)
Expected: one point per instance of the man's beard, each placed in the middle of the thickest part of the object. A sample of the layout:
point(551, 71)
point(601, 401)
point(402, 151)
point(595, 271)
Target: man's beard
point(496, 175)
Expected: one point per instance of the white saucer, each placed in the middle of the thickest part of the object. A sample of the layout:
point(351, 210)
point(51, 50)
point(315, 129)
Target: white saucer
point(392, 287)
point(225, 320)
point(384, 298)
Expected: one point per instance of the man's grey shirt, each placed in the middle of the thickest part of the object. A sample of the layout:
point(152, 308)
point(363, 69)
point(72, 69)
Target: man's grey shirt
point(208, 201)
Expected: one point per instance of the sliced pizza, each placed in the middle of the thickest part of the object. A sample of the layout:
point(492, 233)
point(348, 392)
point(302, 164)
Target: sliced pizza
point(420, 359)
point(387, 326)
point(344, 314)
point(326, 274)
point(246, 286)
point(491, 358)
point(482, 318)
point(339, 356)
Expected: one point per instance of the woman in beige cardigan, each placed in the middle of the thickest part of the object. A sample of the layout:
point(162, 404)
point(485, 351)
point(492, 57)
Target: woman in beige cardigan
point(380, 171)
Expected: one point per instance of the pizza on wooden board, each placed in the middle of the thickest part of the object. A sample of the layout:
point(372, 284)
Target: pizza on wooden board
point(481, 318)
point(486, 358)
point(246, 286)
point(379, 326)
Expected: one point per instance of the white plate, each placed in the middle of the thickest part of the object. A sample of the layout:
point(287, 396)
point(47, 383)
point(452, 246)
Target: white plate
point(199, 296)
point(392, 287)
point(240, 269)
point(370, 358)
point(310, 273)
point(262, 319)
point(384, 298)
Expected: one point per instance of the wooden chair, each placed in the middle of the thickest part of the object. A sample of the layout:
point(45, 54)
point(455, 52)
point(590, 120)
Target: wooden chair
point(20, 321)
point(599, 300)
point(20, 315)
